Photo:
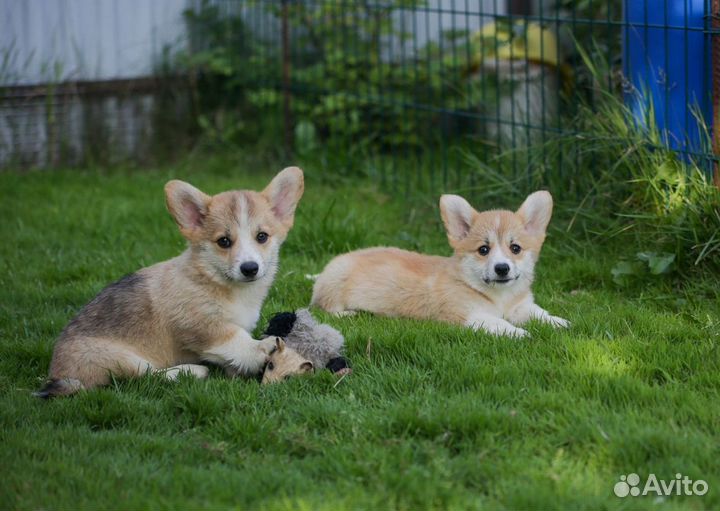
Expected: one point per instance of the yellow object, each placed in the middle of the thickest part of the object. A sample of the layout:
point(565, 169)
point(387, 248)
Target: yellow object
point(520, 41)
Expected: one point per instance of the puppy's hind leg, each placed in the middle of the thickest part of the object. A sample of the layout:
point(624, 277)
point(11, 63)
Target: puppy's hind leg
point(171, 373)
point(83, 363)
point(344, 314)
point(328, 291)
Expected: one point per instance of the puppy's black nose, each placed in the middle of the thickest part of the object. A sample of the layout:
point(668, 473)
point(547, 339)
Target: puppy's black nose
point(502, 269)
point(249, 268)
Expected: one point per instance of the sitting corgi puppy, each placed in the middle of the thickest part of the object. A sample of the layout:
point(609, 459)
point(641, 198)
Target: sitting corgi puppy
point(484, 285)
point(198, 307)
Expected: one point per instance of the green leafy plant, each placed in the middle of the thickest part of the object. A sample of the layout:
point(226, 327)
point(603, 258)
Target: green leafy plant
point(356, 74)
point(646, 264)
point(666, 201)
point(349, 74)
point(226, 64)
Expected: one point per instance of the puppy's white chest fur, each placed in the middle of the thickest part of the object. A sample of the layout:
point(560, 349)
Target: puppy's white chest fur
point(507, 300)
point(244, 307)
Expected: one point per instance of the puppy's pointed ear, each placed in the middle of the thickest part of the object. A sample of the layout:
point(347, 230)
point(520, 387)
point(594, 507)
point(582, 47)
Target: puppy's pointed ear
point(457, 215)
point(284, 192)
point(536, 212)
point(306, 367)
point(187, 205)
point(279, 345)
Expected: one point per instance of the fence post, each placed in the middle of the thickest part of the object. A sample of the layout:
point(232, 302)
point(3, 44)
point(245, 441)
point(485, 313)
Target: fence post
point(715, 43)
point(287, 120)
point(519, 7)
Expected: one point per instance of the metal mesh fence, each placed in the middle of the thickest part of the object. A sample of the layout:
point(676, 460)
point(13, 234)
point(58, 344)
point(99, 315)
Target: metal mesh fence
point(413, 92)
point(400, 84)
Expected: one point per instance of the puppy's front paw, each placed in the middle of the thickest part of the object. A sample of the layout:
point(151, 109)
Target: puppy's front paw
point(558, 322)
point(496, 326)
point(269, 344)
point(515, 332)
point(261, 356)
point(254, 360)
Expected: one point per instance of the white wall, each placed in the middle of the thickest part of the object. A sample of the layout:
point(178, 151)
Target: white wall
point(429, 22)
point(85, 39)
point(56, 40)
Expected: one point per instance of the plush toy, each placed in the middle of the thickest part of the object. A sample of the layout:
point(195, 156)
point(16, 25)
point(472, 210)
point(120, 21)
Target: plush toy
point(307, 345)
point(284, 362)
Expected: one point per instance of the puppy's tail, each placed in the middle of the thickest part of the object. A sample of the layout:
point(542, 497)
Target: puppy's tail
point(59, 387)
point(328, 288)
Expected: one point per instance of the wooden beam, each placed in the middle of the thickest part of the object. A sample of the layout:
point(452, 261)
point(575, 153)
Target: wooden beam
point(89, 88)
point(519, 7)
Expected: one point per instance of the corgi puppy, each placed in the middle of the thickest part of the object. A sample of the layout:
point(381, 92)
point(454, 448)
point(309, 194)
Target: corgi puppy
point(198, 307)
point(485, 285)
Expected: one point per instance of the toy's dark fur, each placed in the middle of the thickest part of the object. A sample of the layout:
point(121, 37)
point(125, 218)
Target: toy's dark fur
point(337, 364)
point(320, 344)
point(281, 324)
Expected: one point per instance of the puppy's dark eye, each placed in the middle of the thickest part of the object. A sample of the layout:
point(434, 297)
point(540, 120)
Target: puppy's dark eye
point(270, 366)
point(224, 242)
point(515, 248)
point(262, 237)
point(484, 250)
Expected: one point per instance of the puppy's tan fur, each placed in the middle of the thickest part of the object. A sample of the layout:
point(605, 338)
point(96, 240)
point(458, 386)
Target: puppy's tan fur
point(464, 288)
point(198, 307)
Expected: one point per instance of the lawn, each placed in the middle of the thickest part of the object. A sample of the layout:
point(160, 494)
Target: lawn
point(434, 416)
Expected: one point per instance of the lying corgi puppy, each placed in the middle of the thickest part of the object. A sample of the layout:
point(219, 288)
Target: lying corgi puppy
point(198, 307)
point(484, 285)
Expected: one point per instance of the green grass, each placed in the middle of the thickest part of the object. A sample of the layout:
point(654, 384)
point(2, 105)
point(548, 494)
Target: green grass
point(434, 416)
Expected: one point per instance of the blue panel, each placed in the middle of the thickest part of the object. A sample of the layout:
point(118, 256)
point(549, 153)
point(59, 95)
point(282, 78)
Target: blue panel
point(666, 60)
